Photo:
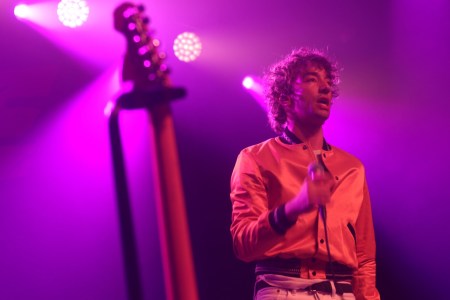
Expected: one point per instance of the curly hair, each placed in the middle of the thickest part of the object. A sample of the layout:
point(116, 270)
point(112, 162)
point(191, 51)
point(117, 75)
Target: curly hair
point(280, 77)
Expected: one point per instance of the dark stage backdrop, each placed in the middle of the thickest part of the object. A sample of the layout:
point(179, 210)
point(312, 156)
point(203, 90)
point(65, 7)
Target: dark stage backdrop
point(59, 228)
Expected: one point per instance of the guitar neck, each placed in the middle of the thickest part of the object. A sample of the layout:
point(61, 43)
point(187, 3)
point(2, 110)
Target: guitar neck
point(144, 66)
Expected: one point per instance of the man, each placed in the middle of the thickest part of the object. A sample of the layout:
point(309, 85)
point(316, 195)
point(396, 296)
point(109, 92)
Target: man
point(301, 207)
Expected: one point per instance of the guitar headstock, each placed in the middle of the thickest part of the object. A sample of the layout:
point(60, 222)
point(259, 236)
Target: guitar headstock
point(143, 63)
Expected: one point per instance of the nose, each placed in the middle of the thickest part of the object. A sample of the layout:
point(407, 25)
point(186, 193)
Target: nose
point(324, 87)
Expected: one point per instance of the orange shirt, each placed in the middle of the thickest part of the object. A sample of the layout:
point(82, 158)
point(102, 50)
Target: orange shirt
point(271, 173)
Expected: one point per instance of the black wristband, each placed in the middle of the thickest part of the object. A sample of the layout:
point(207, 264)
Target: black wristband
point(279, 221)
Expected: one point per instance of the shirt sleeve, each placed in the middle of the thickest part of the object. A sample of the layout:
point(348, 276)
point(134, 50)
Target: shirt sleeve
point(250, 228)
point(364, 281)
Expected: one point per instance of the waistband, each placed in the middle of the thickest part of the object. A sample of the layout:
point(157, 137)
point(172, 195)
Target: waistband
point(298, 268)
point(323, 287)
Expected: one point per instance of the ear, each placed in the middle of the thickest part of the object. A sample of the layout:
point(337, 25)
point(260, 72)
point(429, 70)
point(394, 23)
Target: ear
point(287, 102)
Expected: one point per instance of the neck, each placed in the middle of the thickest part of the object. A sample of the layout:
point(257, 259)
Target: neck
point(312, 135)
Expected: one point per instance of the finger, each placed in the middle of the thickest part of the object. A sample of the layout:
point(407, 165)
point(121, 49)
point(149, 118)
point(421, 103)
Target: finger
point(323, 200)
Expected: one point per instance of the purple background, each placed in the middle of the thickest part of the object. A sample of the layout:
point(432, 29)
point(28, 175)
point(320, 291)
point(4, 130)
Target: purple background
point(59, 230)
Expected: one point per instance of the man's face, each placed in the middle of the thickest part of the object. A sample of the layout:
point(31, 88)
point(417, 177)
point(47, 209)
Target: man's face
point(311, 99)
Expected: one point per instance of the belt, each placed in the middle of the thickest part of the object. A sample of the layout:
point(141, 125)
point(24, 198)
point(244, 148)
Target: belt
point(291, 268)
point(323, 286)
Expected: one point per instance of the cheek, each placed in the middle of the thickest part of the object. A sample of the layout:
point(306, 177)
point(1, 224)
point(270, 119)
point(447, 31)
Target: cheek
point(303, 107)
point(300, 107)
point(307, 99)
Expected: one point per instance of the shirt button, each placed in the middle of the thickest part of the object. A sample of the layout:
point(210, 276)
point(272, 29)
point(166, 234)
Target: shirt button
point(337, 178)
point(322, 241)
point(305, 147)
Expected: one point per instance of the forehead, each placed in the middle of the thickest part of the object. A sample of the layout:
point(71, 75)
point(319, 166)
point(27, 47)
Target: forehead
point(314, 70)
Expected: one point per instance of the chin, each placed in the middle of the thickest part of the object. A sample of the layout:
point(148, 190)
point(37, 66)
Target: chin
point(323, 115)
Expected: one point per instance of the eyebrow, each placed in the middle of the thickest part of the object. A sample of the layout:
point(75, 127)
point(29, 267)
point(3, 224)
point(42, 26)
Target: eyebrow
point(315, 74)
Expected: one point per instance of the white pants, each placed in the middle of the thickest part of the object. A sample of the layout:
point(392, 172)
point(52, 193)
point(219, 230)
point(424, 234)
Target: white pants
point(291, 288)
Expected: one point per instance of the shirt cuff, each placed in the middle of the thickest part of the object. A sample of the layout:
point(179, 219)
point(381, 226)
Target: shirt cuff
point(279, 221)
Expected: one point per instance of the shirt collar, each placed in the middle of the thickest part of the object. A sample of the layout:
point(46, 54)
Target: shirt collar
point(288, 137)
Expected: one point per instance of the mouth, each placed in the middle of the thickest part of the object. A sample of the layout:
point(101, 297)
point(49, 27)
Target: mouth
point(324, 102)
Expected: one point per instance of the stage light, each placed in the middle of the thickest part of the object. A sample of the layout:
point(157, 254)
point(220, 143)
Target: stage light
point(21, 11)
point(73, 13)
point(253, 84)
point(255, 87)
point(248, 82)
point(187, 47)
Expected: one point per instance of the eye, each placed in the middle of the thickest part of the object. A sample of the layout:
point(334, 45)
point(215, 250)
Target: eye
point(310, 79)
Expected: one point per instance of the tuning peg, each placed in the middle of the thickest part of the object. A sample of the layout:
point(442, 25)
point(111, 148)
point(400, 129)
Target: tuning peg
point(156, 42)
point(136, 38)
point(147, 63)
point(129, 12)
point(141, 7)
point(146, 20)
point(144, 49)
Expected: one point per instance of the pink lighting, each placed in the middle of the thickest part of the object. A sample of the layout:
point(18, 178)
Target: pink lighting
point(254, 86)
point(253, 83)
point(59, 221)
point(96, 33)
point(22, 11)
point(248, 82)
point(73, 13)
point(187, 47)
